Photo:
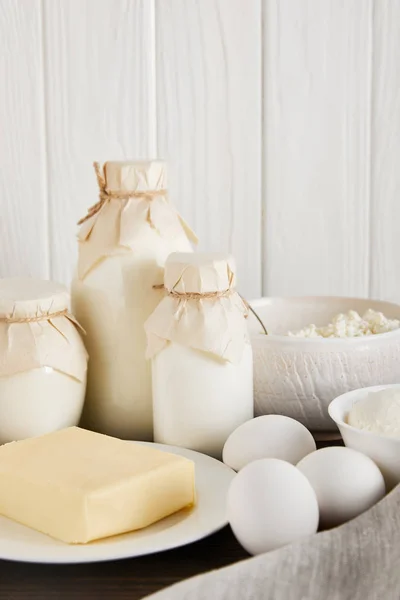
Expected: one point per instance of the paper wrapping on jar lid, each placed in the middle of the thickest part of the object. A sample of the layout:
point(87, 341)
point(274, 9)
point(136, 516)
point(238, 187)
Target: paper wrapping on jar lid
point(133, 195)
point(36, 329)
point(201, 309)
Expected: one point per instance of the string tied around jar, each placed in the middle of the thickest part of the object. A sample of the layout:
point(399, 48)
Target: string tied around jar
point(43, 317)
point(105, 195)
point(35, 319)
point(211, 296)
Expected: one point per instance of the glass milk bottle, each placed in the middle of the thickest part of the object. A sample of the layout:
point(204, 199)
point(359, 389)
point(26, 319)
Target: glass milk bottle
point(201, 354)
point(43, 360)
point(123, 244)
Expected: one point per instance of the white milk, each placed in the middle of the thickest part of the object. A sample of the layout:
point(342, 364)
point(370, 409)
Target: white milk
point(43, 361)
point(115, 297)
point(37, 402)
point(201, 355)
point(198, 400)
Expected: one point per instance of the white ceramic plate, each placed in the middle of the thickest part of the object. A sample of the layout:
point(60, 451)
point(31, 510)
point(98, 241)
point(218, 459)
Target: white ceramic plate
point(209, 515)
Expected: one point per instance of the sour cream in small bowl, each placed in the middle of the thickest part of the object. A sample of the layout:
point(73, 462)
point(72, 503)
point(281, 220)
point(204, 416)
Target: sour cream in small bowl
point(384, 449)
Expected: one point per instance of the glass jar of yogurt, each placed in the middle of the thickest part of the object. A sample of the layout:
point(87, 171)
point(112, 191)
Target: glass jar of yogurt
point(43, 360)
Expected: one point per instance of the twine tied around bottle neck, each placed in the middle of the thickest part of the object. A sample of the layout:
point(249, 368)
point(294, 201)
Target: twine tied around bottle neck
point(105, 195)
point(43, 317)
point(195, 295)
point(211, 296)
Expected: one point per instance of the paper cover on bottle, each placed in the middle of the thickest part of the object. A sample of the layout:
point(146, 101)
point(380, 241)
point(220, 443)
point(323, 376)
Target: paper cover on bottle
point(28, 341)
point(201, 308)
point(134, 199)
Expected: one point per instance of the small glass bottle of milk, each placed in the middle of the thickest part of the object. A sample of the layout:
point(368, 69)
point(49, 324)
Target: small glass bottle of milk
point(124, 241)
point(202, 360)
point(43, 361)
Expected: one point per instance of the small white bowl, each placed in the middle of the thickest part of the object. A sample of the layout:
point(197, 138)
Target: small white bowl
point(384, 450)
point(299, 377)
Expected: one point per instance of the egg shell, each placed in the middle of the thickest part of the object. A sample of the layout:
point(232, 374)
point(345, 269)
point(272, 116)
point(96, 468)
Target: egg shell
point(271, 504)
point(345, 481)
point(269, 436)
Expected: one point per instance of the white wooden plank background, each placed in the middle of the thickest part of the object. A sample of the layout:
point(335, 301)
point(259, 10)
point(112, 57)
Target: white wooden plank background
point(385, 156)
point(279, 119)
point(316, 164)
point(209, 122)
point(23, 220)
point(100, 104)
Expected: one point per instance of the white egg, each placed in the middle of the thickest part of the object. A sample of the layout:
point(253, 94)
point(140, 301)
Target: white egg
point(270, 504)
point(270, 436)
point(345, 481)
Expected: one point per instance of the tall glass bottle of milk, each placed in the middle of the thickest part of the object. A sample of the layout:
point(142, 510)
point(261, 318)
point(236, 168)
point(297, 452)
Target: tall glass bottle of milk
point(202, 360)
point(124, 241)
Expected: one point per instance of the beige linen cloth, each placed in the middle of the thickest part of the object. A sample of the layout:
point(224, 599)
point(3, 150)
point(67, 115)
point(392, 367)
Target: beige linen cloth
point(357, 561)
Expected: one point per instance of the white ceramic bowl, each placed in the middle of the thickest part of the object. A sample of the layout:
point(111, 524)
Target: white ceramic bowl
point(299, 377)
point(383, 450)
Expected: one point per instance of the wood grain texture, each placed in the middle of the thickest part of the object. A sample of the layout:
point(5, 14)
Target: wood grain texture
point(23, 220)
point(208, 59)
point(131, 579)
point(317, 146)
point(385, 157)
point(100, 100)
point(316, 87)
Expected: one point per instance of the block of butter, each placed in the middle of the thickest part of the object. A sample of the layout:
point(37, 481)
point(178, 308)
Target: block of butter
point(78, 486)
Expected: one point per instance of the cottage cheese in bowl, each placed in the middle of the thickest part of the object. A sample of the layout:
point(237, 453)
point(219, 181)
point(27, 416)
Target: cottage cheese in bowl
point(351, 324)
point(352, 343)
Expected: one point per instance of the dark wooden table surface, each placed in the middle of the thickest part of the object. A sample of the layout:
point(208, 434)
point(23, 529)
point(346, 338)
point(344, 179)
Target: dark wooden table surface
point(126, 579)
